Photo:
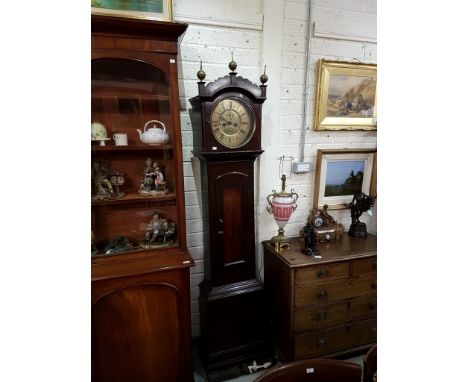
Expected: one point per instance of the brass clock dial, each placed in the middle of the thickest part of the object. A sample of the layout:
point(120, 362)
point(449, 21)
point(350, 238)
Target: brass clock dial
point(232, 122)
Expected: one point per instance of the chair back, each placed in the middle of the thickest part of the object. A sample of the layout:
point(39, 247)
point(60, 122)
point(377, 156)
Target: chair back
point(314, 370)
point(370, 365)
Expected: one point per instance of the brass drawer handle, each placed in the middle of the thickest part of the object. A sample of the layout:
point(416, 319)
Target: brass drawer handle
point(322, 294)
point(321, 343)
point(322, 273)
point(321, 316)
point(373, 305)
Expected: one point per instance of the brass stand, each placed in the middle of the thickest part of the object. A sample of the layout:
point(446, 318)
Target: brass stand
point(280, 241)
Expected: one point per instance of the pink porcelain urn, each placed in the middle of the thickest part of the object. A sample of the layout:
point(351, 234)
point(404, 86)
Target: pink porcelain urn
point(281, 205)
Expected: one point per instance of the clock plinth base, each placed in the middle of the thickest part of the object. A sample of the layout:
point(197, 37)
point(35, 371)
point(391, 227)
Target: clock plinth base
point(358, 230)
point(233, 324)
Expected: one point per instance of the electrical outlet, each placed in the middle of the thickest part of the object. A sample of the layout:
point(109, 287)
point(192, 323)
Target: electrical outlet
point(301, 167)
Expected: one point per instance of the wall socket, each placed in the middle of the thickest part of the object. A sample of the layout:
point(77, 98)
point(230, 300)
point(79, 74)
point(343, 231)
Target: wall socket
point(301, 167)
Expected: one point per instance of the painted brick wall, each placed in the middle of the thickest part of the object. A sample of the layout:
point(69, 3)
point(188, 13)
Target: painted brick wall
point(350, 27)
point(345, 30)
point(214, 32)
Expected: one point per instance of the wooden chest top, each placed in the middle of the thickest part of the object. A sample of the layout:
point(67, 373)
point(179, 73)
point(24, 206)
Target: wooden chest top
point(346, 248)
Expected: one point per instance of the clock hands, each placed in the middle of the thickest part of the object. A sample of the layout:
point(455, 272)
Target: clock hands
point(224, 119)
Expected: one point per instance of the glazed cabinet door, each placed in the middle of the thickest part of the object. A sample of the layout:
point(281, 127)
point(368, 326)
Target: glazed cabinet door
point(132, 182)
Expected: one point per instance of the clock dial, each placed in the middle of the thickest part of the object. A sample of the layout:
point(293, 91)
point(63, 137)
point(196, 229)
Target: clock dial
point(318, 222)
point(232, 122)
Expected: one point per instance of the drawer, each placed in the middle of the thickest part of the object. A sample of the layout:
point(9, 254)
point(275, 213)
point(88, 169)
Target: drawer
point(327, 292)
point(322, 316)
point(364, 266)
point(336, 339)
point(322, 273)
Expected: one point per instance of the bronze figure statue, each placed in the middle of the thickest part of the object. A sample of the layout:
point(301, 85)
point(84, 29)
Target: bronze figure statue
point(360, 203)
point(310, 241)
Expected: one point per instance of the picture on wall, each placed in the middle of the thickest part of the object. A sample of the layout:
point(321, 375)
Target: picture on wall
point(346, 96)
point(141, 9)
point(340, 172)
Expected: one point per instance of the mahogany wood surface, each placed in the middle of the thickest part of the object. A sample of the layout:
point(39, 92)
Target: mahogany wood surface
point(230, 85)
point(232, 315)
point(233, 324)
point(322, 306)
point(140, 299)
point(313, 370)
point(139, 328)
point(370, 365)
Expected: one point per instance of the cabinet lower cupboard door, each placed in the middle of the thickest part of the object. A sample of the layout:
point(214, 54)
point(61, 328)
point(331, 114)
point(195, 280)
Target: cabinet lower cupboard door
point(137, 334)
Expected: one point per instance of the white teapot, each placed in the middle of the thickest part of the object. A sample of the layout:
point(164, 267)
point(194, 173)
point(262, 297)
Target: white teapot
point(154, 135)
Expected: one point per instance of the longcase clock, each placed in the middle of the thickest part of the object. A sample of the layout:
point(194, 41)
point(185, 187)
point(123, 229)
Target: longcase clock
point(233, 320)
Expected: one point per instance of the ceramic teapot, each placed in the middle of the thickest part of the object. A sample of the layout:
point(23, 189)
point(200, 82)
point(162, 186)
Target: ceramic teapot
point(154, 135)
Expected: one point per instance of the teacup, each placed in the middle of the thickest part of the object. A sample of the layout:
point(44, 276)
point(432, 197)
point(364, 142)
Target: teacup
point(120, 139)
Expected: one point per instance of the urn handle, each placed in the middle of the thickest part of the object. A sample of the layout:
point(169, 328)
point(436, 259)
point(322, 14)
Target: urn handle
point(295, 196)
point(269, 200)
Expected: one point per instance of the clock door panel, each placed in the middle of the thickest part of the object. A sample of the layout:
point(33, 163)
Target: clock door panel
point(231, 219)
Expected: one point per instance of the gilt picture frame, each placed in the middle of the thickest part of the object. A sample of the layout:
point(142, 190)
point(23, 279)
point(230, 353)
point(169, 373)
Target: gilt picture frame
point(346, 96)
point(161, 10)
point(339, 172)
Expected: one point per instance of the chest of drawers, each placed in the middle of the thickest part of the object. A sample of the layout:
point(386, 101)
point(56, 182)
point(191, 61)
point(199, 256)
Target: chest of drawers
point(322, 307)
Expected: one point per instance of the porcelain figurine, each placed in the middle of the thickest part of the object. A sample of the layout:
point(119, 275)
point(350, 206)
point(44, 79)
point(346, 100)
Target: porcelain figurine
point(160, 232)
point(154, 135)
point(102, 185)
point(117, 180)
point(152, 183)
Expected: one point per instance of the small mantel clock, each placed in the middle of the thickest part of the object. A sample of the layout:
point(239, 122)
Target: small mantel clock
point(233, 321)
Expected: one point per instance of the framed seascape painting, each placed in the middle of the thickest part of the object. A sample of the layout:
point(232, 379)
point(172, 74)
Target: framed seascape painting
point(139, 9)
point(340, 172)
point(346, 96)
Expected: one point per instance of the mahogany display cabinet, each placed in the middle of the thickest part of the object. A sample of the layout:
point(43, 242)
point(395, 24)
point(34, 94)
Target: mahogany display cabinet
point(141, 328)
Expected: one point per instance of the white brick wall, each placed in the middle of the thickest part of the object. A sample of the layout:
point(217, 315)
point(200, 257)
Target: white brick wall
point(214, 32)
point(347, 19)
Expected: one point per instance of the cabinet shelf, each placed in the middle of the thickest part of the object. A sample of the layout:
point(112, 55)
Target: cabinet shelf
point(135, 198)
point(110, 148)
point(115, 95)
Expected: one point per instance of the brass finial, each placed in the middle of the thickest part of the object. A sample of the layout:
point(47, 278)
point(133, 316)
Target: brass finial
point(201, 74)
point(232, 64)
point(264, 77)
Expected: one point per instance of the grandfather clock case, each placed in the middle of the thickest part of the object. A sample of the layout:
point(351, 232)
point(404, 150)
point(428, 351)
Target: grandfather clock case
point(233, 318)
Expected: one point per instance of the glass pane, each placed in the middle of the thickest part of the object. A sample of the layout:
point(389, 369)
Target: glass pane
point(133, 172)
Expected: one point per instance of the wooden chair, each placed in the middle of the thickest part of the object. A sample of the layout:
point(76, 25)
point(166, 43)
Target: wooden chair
point(370, 365)
point(314, 370)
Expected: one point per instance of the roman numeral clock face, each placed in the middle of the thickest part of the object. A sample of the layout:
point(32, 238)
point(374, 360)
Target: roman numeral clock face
point(232, 122)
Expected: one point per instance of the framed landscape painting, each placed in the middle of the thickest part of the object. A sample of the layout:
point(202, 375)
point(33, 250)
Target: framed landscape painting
point(340, 172)
point(139, 9)
point(346, 96)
